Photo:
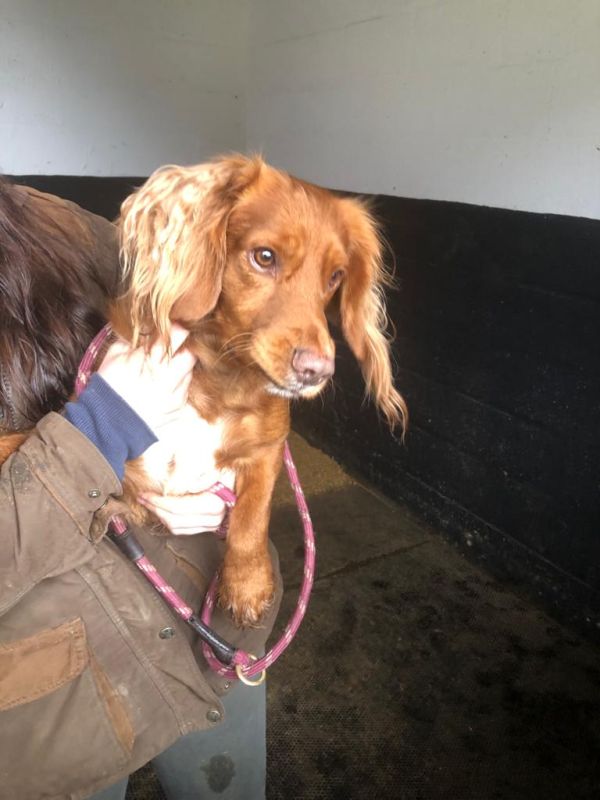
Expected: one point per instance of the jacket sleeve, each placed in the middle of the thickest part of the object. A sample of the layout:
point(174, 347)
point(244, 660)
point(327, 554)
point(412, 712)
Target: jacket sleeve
point(49, 492)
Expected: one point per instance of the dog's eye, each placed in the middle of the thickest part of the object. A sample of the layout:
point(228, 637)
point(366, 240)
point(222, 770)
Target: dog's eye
point(263, 258)
point(335, 279)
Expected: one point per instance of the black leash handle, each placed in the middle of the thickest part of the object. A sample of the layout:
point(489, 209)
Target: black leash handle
point(121, 534)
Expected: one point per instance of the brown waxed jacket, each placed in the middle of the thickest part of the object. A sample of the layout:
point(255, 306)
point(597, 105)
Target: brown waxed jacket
point(89, 688)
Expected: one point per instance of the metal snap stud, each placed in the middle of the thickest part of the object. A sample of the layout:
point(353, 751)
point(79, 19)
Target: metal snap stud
point(94, 493)
point(213, 715)
point(167, 633)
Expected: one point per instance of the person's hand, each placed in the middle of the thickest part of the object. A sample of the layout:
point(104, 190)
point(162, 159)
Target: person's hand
point(188, 513)
point(154, 384)
point(197, 511)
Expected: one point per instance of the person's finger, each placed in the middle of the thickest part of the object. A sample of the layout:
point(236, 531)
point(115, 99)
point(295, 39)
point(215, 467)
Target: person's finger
point(182, 364)
point(201, 481)
point(188, 524)
point(204, 504)
point(178, 367)
point(193, 529)
point(178, 336)
point(118, 349)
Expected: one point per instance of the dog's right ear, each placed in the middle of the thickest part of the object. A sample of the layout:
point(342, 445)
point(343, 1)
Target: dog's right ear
point(173, 244)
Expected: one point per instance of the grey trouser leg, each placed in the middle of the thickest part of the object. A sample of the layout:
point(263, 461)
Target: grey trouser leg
point(228, 762)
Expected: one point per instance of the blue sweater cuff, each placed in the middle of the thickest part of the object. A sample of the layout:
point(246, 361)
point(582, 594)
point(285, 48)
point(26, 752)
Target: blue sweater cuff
point(109, 423)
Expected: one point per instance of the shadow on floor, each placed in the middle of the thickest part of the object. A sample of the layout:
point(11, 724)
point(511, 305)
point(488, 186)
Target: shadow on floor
point(415, 674)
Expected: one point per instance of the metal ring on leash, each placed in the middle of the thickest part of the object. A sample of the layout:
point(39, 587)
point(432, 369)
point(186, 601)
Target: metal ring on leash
point(239, 671)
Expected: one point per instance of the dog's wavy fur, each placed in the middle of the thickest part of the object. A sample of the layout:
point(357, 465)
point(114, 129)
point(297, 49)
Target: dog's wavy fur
point(46, 319)
point(186, 236)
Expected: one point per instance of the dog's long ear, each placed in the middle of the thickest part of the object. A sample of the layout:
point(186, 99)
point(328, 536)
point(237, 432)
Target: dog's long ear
point(362, 312)
point(173, 244)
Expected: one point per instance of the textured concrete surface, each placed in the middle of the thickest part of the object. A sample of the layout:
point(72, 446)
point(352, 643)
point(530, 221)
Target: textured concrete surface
point(415, 674)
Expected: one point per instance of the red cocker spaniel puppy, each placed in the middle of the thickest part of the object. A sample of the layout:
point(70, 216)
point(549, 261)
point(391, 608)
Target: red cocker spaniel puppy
point(251, 260)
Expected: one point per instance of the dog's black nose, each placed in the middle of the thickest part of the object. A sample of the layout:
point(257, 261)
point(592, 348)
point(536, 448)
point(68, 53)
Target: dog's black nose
point(310, 367)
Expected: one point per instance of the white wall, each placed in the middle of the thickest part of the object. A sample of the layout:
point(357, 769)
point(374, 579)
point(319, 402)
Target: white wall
point(493, 102)
point(118, 87)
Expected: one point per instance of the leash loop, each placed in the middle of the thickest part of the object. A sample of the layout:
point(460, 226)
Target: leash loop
point(223, 658)
point(307, 582)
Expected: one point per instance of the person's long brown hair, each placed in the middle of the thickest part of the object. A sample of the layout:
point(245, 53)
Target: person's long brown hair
point(46, 317)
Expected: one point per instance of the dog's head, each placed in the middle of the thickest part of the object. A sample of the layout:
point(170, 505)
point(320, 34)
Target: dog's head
point(265, 257)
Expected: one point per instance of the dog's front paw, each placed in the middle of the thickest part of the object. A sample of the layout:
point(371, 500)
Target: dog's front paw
point(246, 589)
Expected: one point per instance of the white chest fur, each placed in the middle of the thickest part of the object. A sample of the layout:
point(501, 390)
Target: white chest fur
point(183, 460)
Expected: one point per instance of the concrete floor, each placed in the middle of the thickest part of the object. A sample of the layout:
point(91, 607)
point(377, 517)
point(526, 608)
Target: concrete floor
point(416, 675)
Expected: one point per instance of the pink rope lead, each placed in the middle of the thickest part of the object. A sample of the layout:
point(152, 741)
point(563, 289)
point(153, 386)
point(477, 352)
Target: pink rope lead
point(245, 665)
point(125, 540)
point(251, 668)
point(86, 364)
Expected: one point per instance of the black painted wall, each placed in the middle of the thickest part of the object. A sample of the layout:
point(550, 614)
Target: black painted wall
point(497, 351)
point(99, 195)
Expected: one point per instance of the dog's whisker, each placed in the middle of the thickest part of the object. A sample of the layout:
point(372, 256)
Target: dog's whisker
point(233, 351)
point(228, 343)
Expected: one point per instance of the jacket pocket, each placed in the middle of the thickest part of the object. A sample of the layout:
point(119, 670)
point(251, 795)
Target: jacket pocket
point(33, 667)
point(62, 725)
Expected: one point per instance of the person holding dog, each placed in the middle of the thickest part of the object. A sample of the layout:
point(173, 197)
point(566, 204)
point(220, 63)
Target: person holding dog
point(97, 675)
